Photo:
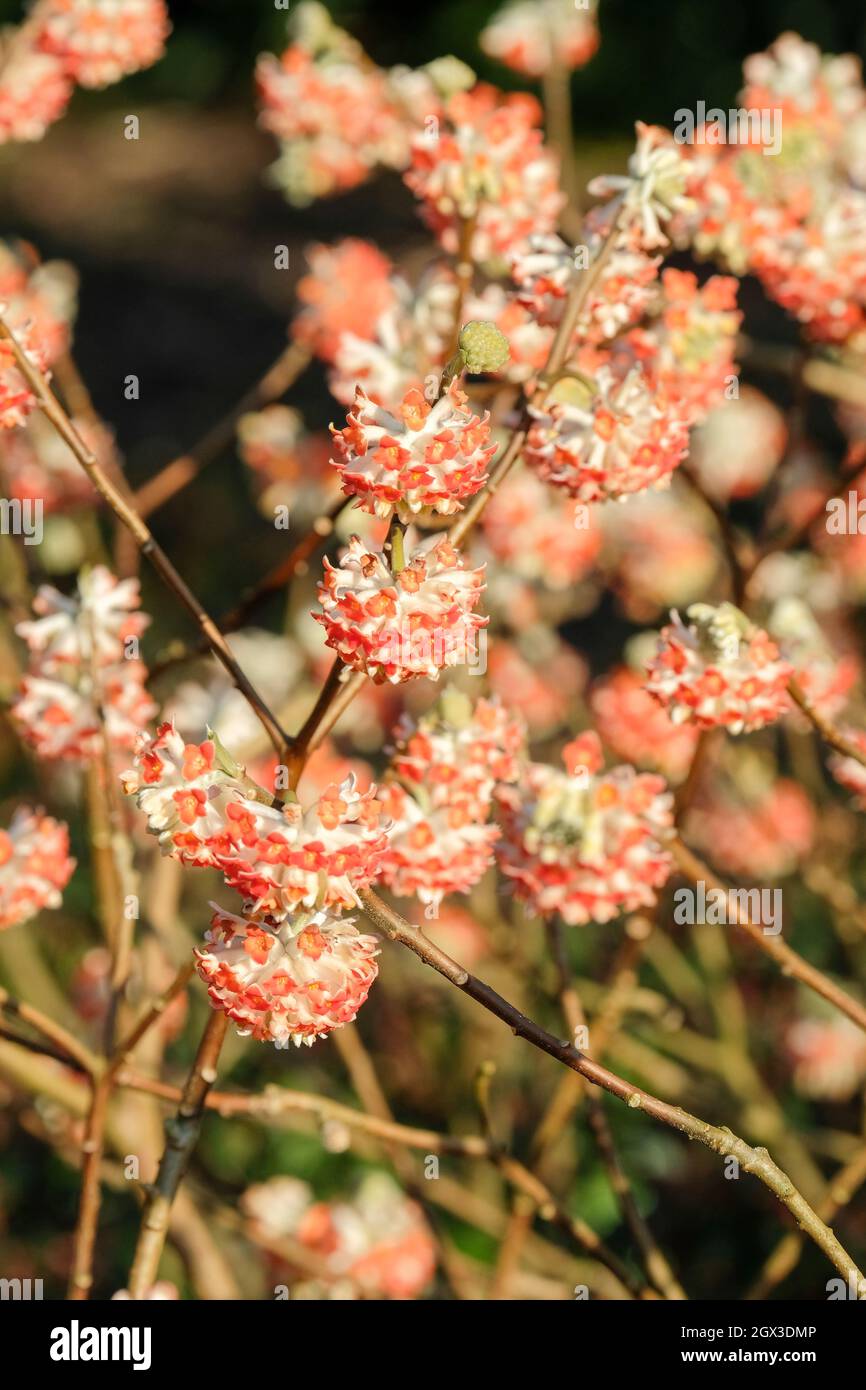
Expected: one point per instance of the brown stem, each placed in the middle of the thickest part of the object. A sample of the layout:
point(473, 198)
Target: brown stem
point(826, 728)
point(90, 1200)
point(783, 1260)
point(62, 1040)
point(556, 91)
point(181, 1137)
point(656, 1262)
point(306, 739)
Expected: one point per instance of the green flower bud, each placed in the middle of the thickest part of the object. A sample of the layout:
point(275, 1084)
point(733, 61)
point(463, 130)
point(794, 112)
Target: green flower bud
point(484, 348)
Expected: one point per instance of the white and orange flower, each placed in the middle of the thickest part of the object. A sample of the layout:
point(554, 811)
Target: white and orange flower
point(719, 670)
point(287, 982)
point(34, 91)
point(584, 843)
point(423, 455)
point(433, 850)
point(35, 865)
point(532, 36)
point(100, 41)
point(347, 289)
point(414, 623)
point(488, 164)
point(618, 436)
point(84, 680)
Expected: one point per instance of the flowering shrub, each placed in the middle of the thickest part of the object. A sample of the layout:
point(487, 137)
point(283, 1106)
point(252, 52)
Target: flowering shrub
point(492, 455)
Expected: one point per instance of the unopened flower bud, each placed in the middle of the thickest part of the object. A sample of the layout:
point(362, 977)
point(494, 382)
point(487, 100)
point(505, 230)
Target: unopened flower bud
point(484, 347)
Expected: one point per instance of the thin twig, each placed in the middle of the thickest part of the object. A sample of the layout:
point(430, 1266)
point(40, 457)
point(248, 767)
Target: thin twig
point(182, 1133)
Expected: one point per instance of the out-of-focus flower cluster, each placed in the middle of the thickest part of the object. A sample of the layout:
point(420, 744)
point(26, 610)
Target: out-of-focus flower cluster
point(536, 36)
point(38, 303)
point(34, 865)
point(85, 681)
point(585, 843)
point(64, 43)
point(783, 196)
point(337, 115)
point(375, 1244)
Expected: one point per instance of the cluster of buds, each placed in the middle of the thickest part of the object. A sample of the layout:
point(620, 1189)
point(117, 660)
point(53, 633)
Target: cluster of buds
point(447, 767)
point(431, 456)
point(608, 437)
point(289, 981)
point(375, 1244)
point(584, 843)
point(35, 865)
point(719, 671)
point(535, 36)
point(85, 682)
point(488, 167)
point(91, 43)
point(396, 623)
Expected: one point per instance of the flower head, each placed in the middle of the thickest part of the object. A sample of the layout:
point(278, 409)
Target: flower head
point(458, 752)
point(290, 981)
point(488, 164)
point(585, 843)
point(422, 456)
point(653, 189)
point(34, 865)
point(533, 35)
point(84, 680)
point(433, 849)
point(347, 289)
point(621, 437)
point(394, 627)
point(719, 670)
point(280, 857)
point(100, 41)
point(34, 92)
